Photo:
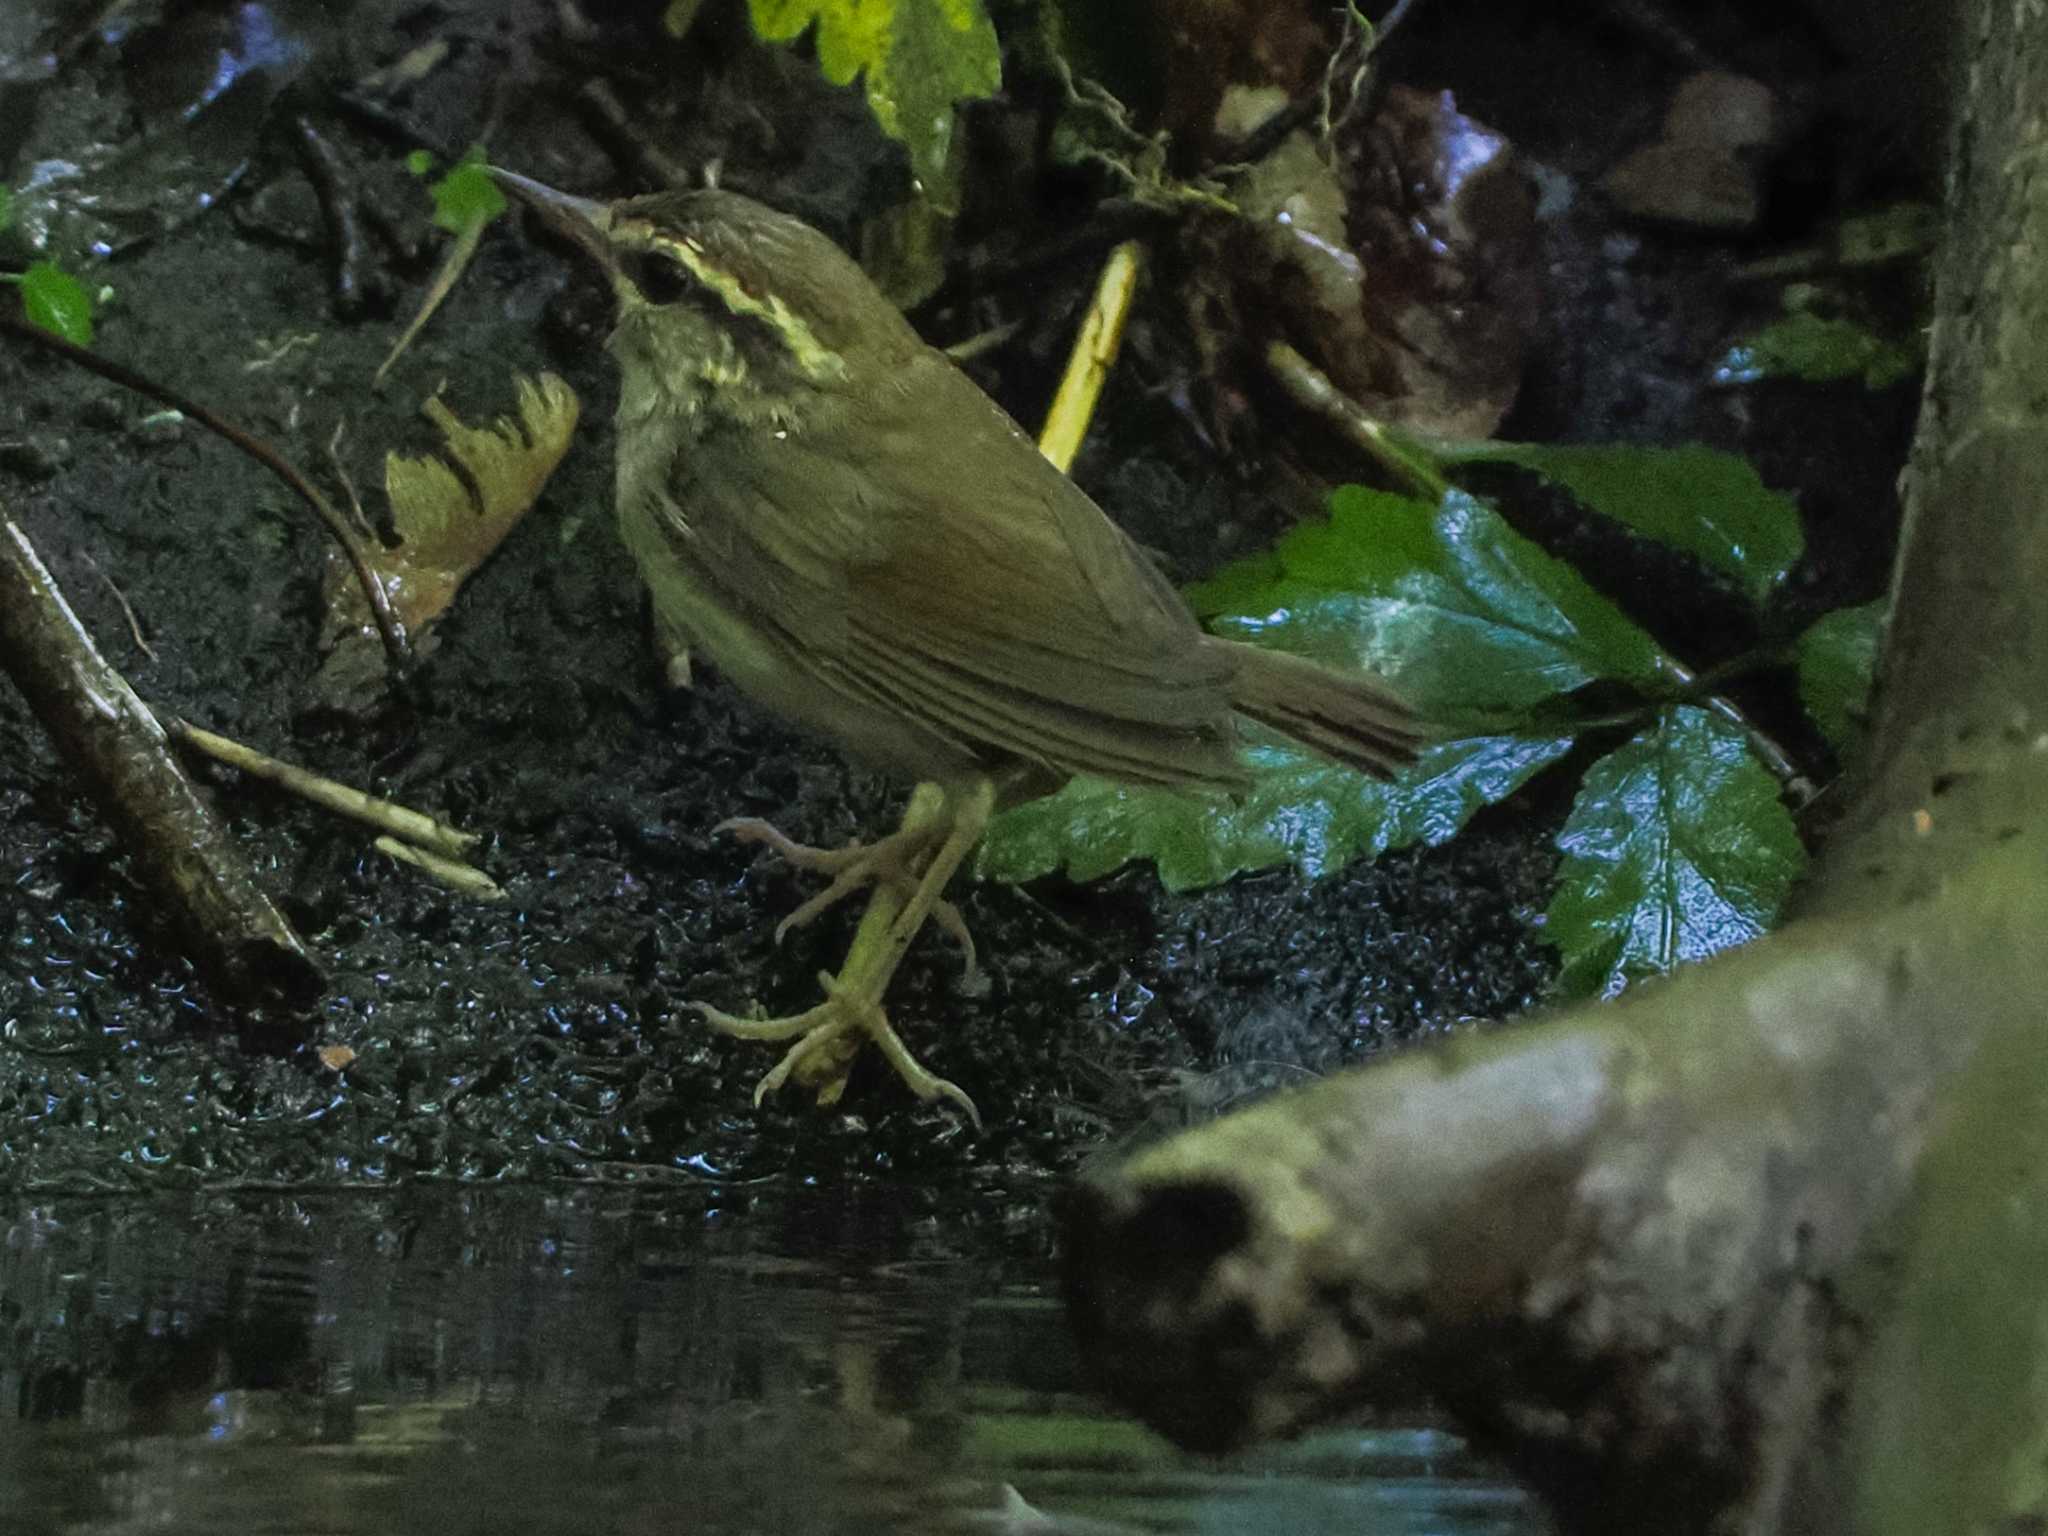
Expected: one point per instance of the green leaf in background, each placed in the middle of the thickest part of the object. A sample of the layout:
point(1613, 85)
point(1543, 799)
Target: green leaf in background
point(1707, 503)
point(1837, 658)
point(466, 196)
point(419, 161)
point(1678, 846)
point(920, 57)
point(1300, 810)
point(55, 300)
point(6, 207)
point(1818, 349)
point(1465, 614)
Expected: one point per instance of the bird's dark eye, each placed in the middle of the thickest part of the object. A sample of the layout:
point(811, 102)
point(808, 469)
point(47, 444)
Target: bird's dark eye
point(658, 278)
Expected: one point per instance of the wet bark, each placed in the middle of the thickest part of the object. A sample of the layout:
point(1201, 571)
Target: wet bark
point(1759, 1248)
point(121, 759)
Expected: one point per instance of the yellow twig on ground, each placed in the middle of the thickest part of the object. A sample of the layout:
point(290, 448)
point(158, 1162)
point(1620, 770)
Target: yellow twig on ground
point(400, 821)
point(453, 873)
point(1095, 349)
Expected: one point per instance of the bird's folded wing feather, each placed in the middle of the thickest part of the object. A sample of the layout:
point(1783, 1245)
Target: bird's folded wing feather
point(1005, 610)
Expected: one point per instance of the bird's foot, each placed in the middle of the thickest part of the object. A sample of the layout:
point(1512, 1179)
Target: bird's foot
point(898, 860)
point(828, 1037)
point(908, 871)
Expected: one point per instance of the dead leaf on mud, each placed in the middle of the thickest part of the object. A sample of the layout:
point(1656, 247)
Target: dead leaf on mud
point(1704, 169)
point(1400, 258)
point(449, 513)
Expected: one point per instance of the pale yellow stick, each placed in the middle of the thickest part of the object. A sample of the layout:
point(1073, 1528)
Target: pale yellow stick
point(453, 873)
point(460, 252)
point(399, 821)
point(1095, 349)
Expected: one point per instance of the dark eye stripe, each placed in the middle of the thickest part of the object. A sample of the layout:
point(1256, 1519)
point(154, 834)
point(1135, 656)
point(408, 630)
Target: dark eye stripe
point(659, 279)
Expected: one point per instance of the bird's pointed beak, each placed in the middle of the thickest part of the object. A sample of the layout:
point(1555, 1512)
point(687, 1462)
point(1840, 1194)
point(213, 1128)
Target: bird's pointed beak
point(583, 221)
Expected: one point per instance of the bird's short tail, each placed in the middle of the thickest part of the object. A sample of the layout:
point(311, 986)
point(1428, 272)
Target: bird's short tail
point(1352, 717)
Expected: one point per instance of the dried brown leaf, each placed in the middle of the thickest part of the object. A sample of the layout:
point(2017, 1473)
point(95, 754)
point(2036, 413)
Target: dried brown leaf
point(1704, 168)
point(450, 511)
point(1398, 257)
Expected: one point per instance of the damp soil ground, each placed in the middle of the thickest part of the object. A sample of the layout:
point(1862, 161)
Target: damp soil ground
point(548, 1036)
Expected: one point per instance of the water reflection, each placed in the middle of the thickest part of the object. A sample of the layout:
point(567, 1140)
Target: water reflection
point(593, 1362)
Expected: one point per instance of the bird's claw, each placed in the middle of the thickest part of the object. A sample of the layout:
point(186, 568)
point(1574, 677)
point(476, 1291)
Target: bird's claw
point(909, 869)
point(823, 1051)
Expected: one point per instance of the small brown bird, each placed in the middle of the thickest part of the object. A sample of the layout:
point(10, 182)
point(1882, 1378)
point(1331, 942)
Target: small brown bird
point(835, 516)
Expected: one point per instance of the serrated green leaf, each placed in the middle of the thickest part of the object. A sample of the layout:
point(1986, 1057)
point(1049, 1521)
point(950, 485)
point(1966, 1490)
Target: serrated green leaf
point(918, 57)
point(1446, 600)
point(55, 300)
point(1458, 609)
point(467, 195)
point(1818, 349)
point(1300, 810)
point(1694, 498)
point(1678, 846)
point(1837, 658)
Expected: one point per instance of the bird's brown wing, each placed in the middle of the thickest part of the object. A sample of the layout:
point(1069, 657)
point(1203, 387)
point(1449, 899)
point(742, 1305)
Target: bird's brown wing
point(997, 607)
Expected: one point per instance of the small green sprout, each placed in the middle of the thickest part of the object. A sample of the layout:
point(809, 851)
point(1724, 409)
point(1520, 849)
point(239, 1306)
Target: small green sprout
point(467, 196)
point(55, 300)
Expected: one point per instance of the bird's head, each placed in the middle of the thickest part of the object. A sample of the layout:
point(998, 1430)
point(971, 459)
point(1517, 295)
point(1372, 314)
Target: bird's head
point(715, 287)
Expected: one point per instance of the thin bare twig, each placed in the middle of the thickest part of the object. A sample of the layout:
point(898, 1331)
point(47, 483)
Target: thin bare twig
point(335, 189)
point(389, 626)
point(984, 342)
point(461, 251)
point(1314, 104)
point(1317, 393)
point(1095, 349)
point(628, 141)
point(332, 453)
point(455, 874)
point(127, 609)
point(394, 124)
point(344, 800)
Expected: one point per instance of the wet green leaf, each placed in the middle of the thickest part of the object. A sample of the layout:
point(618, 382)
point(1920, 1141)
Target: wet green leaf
point(1694, 498)
point(1837, 658)
point(1300, 810)
point(917, 59)
point(1678, 846)
point(58, 302)
point(467, 195)
point(1465, 615)
point(1819, 349)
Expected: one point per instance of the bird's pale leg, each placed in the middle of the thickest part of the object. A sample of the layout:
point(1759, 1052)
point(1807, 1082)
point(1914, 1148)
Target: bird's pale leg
point(890, 859)
point(829, 1036)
